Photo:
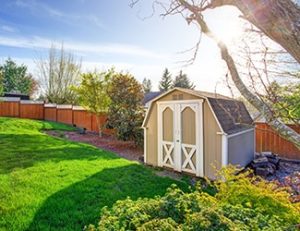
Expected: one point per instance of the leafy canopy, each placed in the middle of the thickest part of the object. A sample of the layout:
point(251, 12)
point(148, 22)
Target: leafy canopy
point(92, 91)
point(126, 112)
point(15, 78)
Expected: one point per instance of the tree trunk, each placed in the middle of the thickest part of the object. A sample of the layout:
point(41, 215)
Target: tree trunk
point(282, 129)
point(99, 125)
point(277, 19)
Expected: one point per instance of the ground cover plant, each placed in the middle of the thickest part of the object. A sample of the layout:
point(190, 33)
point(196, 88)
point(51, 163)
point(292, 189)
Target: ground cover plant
point(49, 183)
point(240, 202)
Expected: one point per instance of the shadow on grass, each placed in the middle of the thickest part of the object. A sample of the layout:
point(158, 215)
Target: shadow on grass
point(25, 150)
point(78, 205)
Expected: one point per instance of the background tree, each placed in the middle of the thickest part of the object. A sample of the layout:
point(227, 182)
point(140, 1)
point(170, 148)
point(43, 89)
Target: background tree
point(15, 78)
point(126, 112)
point(1, 83)
point(182, 80)
point(57, 73)
point(147, 85)
point(165, 83)
point(92, 93)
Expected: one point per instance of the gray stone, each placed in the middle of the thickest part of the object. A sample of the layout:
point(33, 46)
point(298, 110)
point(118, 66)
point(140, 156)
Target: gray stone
point(260, 162)
point(264, 172)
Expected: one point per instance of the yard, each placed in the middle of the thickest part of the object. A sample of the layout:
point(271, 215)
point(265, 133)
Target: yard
point(52, 183)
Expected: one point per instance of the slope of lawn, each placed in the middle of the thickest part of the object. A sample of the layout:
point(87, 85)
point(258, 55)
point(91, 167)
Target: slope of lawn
point(49, 183)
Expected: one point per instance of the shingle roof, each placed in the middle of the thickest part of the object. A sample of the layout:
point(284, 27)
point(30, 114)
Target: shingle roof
point(231, 114)
point(150, 95)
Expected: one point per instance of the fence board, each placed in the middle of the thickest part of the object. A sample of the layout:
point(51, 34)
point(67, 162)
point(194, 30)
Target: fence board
point(65, 116)
point(268, 140)
point(82, 119)
point(32, 111)
point(9, 109)
point(50, 113)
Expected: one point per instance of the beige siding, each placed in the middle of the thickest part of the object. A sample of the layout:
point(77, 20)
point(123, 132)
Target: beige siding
point(212, 141)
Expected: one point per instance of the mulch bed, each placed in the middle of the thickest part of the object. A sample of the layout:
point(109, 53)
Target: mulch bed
point(126, 149)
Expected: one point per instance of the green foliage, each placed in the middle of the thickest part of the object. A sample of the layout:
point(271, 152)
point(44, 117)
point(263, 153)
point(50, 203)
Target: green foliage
point(92, 93)
point(49, 183)
point(165, 83)
point(243, 202)
point(126, 112)
point(182, 80)
point(15, 78)
point(285, 101)
point(147, 85)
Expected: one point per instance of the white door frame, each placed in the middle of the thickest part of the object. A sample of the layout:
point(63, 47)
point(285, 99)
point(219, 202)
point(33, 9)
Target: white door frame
point(175, 107)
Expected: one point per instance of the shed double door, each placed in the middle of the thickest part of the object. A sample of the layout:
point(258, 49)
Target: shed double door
point(180, 145)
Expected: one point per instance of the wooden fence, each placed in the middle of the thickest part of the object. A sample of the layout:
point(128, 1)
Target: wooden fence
point(67, 114)
point(268, 140)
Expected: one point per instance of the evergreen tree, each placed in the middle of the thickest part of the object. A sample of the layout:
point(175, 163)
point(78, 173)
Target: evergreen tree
point(182, 80)
point(147, 85)
point(15, 78)
point(166, 81)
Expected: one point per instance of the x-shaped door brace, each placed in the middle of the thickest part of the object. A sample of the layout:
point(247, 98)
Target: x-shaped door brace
point(168, 153)
point(188, 156)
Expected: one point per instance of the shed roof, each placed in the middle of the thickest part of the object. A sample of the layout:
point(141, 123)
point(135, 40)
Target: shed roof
point(151, 95)
point(232, 115)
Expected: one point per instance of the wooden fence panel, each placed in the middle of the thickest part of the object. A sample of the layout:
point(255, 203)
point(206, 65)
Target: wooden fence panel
point(65, 115)
point(9, 109)
point(268, 140)
point(50, 113)
point(82, 119)
point(30, 110)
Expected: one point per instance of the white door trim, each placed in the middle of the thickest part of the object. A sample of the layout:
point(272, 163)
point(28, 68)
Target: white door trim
point(175, 106)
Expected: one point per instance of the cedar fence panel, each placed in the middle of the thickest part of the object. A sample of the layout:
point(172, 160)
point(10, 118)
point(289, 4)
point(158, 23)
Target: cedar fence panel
point(32, 110)
point(268, 140)
point(64, 114)
point(9, 109)
point(50, 112)
point(82, 119)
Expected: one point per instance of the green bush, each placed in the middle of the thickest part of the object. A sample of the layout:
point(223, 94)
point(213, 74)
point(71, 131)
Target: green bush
point(242, 202)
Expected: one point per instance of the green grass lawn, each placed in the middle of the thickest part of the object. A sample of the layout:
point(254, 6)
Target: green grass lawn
point(49, 183)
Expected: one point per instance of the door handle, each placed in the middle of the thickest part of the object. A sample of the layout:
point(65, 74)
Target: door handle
point(177, 140)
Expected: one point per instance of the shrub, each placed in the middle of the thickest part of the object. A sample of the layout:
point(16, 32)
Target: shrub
point(241, 203)
point(125, 113)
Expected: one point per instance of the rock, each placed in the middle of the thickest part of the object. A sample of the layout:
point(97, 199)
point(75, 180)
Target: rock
point(262, 171)
point(274, 161)
point(141, 158)
point(260, 162)
point(267, 154)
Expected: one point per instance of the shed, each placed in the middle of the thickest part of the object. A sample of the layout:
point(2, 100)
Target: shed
point(197, 132)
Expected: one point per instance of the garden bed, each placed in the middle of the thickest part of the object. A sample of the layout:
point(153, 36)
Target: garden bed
point(125, 149)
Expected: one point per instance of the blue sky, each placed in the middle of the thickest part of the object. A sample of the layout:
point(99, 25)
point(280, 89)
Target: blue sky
point(106, 33)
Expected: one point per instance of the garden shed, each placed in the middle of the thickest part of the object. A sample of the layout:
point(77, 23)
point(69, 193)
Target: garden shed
point(197, 132)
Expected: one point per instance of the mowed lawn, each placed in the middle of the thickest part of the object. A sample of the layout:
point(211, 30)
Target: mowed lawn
point(49, 183)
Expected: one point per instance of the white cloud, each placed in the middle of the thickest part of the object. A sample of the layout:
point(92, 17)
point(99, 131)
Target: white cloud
point(37, 42)
point(44, 9)
point(8, 29)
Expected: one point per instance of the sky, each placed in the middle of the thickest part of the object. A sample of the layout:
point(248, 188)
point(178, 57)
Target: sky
point(110, 33)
